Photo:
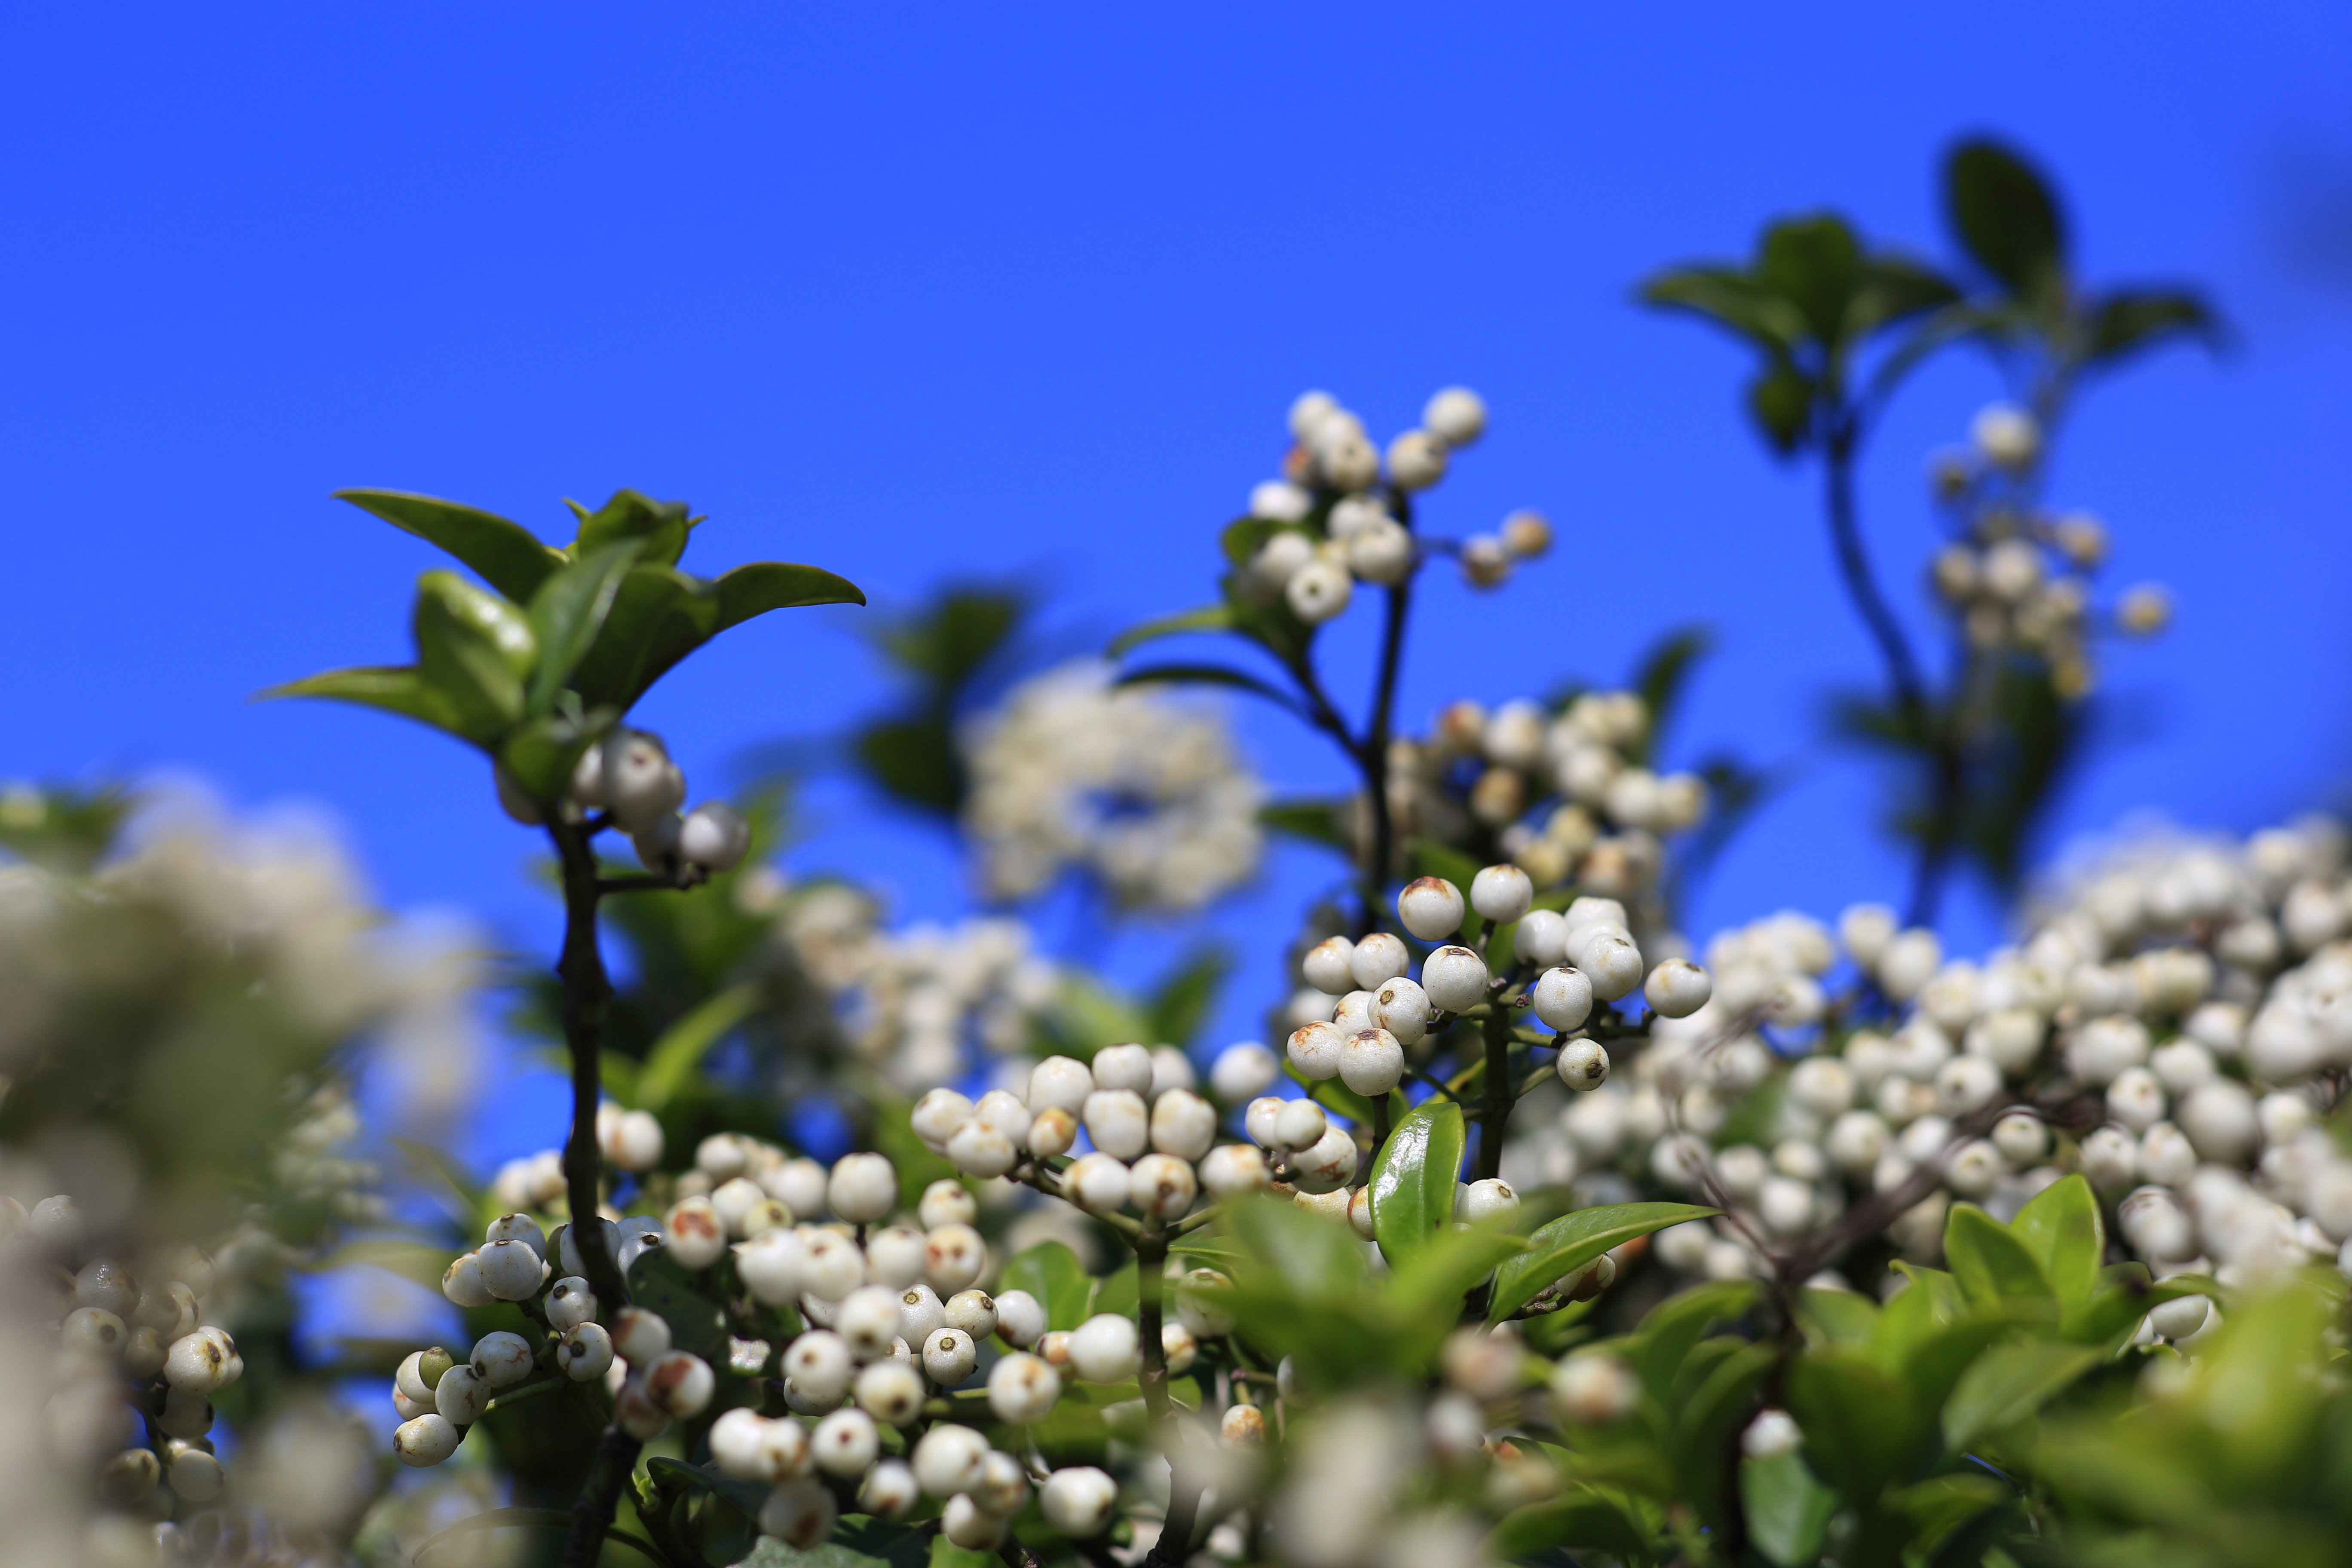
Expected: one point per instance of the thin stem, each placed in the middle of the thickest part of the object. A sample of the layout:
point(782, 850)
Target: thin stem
point(1183, 1493)
point(1379, 726)
point(1499, 1098)
point(587, 994)
point(592, 1511)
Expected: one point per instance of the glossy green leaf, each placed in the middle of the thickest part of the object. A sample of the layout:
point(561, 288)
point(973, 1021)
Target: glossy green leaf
point(660, 616)
point(2009, 1384)
point(1582, 1519)
point(1304, 1255)
point(1854, 1417)
point(675, 1057)
point(1207, 618)
point(502, 553)
point(660, 528)
point(2005, 216)
point(569, 610)
point(1573, 1240)
point(657, 1283)
point(2061, 1228)
point(1707, 1424)
point(1988, 1260)
point(1788, 1511)
point(759, 586)
point(540, 753)
point(1211, 674)
point(1837, 1317)
point(1116, 1294)
point(1413, 1178)
point(1677, 1323)
point(1427, 1288)
point(473, 647)
point(859, 1541)
point(1050, 1272)
point(392, 689)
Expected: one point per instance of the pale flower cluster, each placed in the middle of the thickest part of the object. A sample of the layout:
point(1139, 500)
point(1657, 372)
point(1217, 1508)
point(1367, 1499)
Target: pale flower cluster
point(1147, 794)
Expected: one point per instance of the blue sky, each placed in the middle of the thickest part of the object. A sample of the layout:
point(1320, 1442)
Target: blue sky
point(943, 291)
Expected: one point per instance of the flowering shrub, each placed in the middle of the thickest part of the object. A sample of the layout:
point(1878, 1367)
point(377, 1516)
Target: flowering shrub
point(1537, 1232)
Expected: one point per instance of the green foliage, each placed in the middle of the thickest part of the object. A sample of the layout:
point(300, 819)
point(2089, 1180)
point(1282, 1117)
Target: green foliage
point(1414, 1179)
point(941, 649)
point(1567, 1243)
point(606, 617)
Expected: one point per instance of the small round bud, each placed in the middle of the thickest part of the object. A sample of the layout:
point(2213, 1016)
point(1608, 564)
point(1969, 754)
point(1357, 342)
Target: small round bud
point(953, 1257)
point(1079, 1502)
point(862, 1188)
point(1327, 967)
point(1501, 894)
point(1773, 1434)
point(584, 1352)
point(1431, 907)
point(1097, 1183)
point(1583, 1065)
point(640, 1336)
point(1454, 979)
point(1103, 1349)
point(1183, 1125)
point(1297, 1124)
point(1232, 1170)
point(1242, 1426)
point(1492, 1198)
point(1020, 1318)
point(967, 1524)
point(948, 1459)
point(948, 1356)
point(845, 1442)
point(892, 1392)
point(938, 1115)
point(819, 1362)
point(1317, 592)
point(1525, 535)
point(799, 1513)
point(1241, 1071)
point(1416, 461)
point(1063, 1081)
point(462, 1282)
point(1594, 1389)
point(426, 1440)
point(714, 837)
point(890, 1490)
point(1315, 1050)
point(509, 1270)
point(1123, 1067)
point(638, 783)
point(947, 1202)
point(1161, 1185)
point(680, 1385)
point(1457, 415)
point(1381, 552)
point(1563, 998)
point(1677, 988)
point(501, 1359)
point(1329, 1165)
point(1613, 964)
point(569, 1303)
point(1052, 1131)
point(1401, 1008)
point(462, 1395)
point(973, 1311)
point(1371, 1062)
point(922, 1313)
point(199, 1362)
point(2007, 436)
point(1203, 1299)
point(978, 1150)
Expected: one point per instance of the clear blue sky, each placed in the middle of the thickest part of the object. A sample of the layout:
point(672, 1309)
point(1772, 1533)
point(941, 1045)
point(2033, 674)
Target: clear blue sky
point(955, 289)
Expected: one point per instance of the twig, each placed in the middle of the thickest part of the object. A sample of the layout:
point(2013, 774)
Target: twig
point(592, 1511)
point(587, 995)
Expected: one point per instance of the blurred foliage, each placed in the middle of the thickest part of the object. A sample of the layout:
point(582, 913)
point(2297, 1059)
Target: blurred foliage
point(942, 649)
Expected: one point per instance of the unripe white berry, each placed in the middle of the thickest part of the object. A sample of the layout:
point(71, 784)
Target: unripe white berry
point(1117, 1122)
point(2180, 1317)
point(1563, 998)
point(1003, 1489)
point(2109, 1158)
point(979, 1150)
point(462, 1395)
point(501, 1358)
point(199, 1362)
point(845, 1442)
point(966, 1524)
point(1501, 893)
point(1677, 988)
point(640, 1336)
point(1351, 1013)
point(1525, 535)
point(426, 1440)
point(1381, 552)
point(1486, 560)
point(945, 1202)
point(889, 1490)
point(948, 1459)
point(1328, 966)
point(1241, 1070)
point(188, 1416)
point(922, 1313)
point(418, 1372)
point(1492, 1198)
point(819, 1361)
point(1974, 1168)
point(1161, 1185)
point(892, 1392)
point(2020, 1137)
point(629, 1140)
point(1909, 961)
point(1770, 1434)
point(1279, 500)
point(1063, 1081)
point(462, 1282)
point(1103, 1349)
point(1315, 1050)
point(680, 1385)
point(1183, 1125)
point(953, 1257)
point(1020, 1318)
point(714, 837)
point(1455, 416)
point(1203, 1299)
point(864, 1188)
point(1079, 1502)
point(1097, 1183)
point(1965, 1083)
point(948, 1356)
point(749, 1447)
point(638, 783)
point(1123, 1067)
point(569, 1303)
point(2007, 436)
point(1594, 1389)
point(1317, 592)
point(1052, 1131)
point(868, 1322)
point(1371, 1062)
point(1416, 461)
point(1613, 964)
point(1234, 1170)
point(938, 1115)
point(694, 1233)
point(1401, 1008)
point(1359, 1213)
point(1582, 1066)
point(1454, 979)
point(1297, 1124)
point(973, 1311)
point(773, 1266)
point(93, 1331)
point(584, 1352)
point(1431, 907)
point(1328, 1166)
point(799, 1513)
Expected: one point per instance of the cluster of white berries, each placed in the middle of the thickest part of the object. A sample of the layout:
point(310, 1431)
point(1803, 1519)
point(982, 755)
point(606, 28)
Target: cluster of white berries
point(2019, 575)
point(1602, 814)
point(1336, 510)
point(135, 1364)
point(2198, 992)
point(628, 776)
point(1146, 792)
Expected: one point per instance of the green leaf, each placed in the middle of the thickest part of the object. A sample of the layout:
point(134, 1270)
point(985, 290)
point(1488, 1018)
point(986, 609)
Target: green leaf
point(1570, 1242)
point(659, 526)
point(1854, 1417)
point(1932, 1508)
point(569, 610)
point(2005, 216)
point(1707, 1424)
point(390, 689)
point(677, 1055)
point(859, 1541)
point(1052, 1273)
point(1675, 1325)
point(659, 1284)
point(1413, 1178)
point(1582, 1519)
point(660, 616)
point(1991, 1263)
point(1211, 675)
point(1304, 1256)
point(1780, 401)
point(745, 1495)
point(503, 554)
point(1118, 1294)
point(759, 586)
point(2061, 1228)
point(1207, 618)
point(1661, 676)
point(431, 1161)
point(2126, 322)
point(2009, 1384)
point(1837, 1318)
point(541, 752)
point(1731, 299)
point(473, 648)
point(1180, 1004)
point(1815, 263)
point(1426, 1291)
point(1788, 1511)
point(1315, 821)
